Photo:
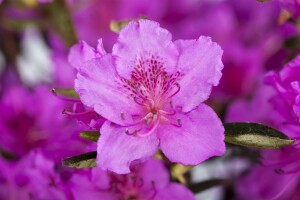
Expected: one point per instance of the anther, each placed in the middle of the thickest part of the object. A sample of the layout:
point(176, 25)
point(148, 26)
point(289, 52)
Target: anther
point(134, 133)
point(171, 104)
point(179, 122)
point(122, 115)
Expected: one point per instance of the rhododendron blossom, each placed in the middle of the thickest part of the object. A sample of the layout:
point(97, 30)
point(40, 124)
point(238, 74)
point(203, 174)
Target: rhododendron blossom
point(151, 91)
point(150, 180)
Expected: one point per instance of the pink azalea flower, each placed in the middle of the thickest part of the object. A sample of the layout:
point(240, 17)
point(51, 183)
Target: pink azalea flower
point(25, 127)
point(151, 91)
point(270, 186)
point(32, 177)
point(150, 180)
point(277, 106)
point(287, 85)
point(79, 54)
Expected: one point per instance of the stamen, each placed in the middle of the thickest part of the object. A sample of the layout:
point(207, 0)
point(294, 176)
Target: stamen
point(122, 116)
point(141, 181)
point(291, 171)
point(152, 129)
point(132, 133)
point(171, 104)
point(76, 114)
point(136, 101)
point(154, 190)
point(167, 113)
point(176, 92)
point(179, 122)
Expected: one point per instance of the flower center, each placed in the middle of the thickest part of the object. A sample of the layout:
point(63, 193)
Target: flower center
point(128, 187)
point(152, 88)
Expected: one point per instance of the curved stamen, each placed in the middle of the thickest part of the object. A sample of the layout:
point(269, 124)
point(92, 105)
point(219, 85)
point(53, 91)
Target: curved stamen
point(135, 132)
point(76, 114)
point(154, 190)
point(167, 113)
point(154, 127)
point(176, 92)
point(141, 183)
point(142, 120)
point(290, 171)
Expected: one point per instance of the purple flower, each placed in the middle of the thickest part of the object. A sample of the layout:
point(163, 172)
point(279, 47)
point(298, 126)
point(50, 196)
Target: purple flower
point(27, 122)
point(151, 91)
point(78, 55)
point(150, 180)
point(271, 185)
point(286, 83)
point(277, 106)
point(33, 177)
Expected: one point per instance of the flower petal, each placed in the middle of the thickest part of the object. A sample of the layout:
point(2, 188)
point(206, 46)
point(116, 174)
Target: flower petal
point(154, 171)
point(83, 188)
point(141, 40)
point(201, 65)
point(98, 88)
point(83, 52)
point(200, 137)
point(175, 191)
point(116, 149)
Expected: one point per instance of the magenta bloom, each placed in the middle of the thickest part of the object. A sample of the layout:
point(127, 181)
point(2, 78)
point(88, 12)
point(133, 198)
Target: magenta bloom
point(151, 90)
point(78, 55)
point(27, 122)
point(32, 177)
point(278, 107)
point(150, 180)
point(287, 85)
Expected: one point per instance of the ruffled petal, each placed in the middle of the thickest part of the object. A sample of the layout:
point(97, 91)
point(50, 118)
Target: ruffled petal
point(141, 41)
point(200, 137)
point(82, 52)
point(175, 191)
point(201, 65)
point(117, 150)
point(98, 87)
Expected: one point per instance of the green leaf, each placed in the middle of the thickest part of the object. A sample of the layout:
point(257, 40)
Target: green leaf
point(199, 187)
point(65, 92)
point(90, 135)
point(86, 160)
point(8, 155)
point(255, 135)
point(117, 26)
point(292, 42)
point(60, 20)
